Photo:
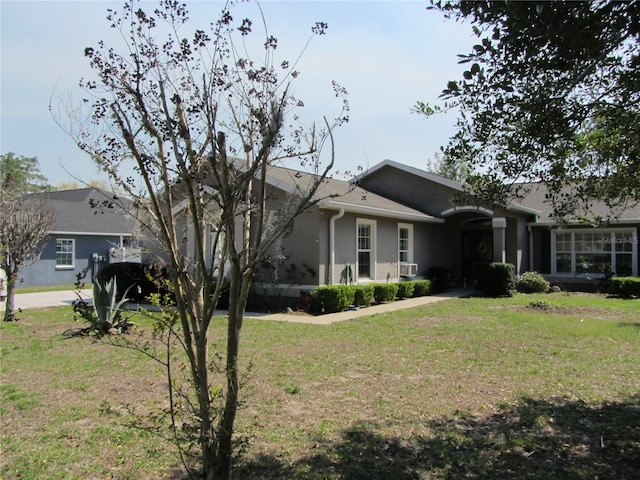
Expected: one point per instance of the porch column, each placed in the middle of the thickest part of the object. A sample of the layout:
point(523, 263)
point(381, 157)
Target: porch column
point(499, 226)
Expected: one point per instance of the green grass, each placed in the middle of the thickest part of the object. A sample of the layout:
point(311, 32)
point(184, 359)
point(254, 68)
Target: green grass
point(465, 388)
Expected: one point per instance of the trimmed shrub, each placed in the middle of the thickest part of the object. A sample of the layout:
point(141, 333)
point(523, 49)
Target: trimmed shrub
point(405, 289)
point(421, 288)
point(532, 282)
point(333, 298)
point(626, 286)
point(385, 292)
point(440, 279)
point(496, 279)
point(363, 295)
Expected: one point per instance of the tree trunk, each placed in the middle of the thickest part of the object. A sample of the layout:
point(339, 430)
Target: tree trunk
point(9, 315)
point(204, 402)
point(225, 433)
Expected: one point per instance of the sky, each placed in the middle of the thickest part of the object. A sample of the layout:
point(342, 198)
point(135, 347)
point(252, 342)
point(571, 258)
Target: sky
point(387, 54)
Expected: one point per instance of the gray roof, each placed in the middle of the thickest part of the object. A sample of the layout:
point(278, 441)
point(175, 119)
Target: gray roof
point(532, 203)
point(535, 198)
point(89, 211)
point(337, 194)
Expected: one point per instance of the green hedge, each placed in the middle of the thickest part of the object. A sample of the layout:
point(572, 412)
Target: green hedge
point(626, 286)
point(405, 289)
point(363, 295)
point(496, 279)
point(335, 298)
point(421, 288)
point(385, 292)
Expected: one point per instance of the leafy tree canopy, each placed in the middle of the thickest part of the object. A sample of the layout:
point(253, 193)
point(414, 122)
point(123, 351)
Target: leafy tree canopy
point(20, 175)
point(455, 169)
point(551, 94)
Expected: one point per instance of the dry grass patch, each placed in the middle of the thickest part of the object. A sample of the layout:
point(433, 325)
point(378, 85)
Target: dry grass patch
point(466, 388)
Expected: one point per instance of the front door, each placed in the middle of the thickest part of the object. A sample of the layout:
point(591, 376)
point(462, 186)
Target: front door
point(477, 249)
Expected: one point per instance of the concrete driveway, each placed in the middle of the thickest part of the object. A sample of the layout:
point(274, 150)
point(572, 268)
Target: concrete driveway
point(46, 299)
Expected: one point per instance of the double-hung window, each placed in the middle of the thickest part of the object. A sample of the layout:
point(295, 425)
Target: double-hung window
point(65, 252)
point(405, 243)
point(594, 252)
point(366, 244)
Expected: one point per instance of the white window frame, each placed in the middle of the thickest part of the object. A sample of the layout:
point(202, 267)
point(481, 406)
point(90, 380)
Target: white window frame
point(372, 249)
point(63, 266)
point(409, 250)
point(609, 236)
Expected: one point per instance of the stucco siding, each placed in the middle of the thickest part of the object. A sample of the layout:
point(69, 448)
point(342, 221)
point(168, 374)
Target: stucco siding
point(517, 245)
point(427, 247)
point(295, 258)
point(432, 247)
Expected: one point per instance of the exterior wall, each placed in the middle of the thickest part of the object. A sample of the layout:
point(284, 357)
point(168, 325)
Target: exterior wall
point(45, 273)
point(410, 190)
point(324, 255)
point(301, 251)
point(541, 242)
point(517, 244)
point(427, 247)
point(432, 243)
point(345, 247)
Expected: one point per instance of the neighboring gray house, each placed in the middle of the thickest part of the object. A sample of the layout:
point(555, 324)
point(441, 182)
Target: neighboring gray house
point(90, 230)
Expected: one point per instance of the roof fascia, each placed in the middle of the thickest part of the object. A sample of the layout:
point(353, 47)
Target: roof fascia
point(93, 234)
point(577, 223)
point(432, 177)
point(519, 208)
point(379, 212)
point(183, 203)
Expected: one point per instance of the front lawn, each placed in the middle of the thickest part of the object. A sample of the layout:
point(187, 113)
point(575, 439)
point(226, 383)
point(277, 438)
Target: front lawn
point(535, 386)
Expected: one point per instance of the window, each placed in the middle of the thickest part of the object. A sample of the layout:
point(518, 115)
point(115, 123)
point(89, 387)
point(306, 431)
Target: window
point(405, 243)
point(580, 251)
point(65, 252)
point(366, 248)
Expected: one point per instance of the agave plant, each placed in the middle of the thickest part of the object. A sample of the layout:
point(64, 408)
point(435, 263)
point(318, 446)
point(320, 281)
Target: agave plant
point(107, 307)
point(104, 315)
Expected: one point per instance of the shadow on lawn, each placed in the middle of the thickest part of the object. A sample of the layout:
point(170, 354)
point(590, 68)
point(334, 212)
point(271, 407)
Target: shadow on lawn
point(534, 439)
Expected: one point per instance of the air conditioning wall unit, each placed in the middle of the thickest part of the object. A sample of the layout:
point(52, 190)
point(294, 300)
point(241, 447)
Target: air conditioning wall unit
point(408, 269)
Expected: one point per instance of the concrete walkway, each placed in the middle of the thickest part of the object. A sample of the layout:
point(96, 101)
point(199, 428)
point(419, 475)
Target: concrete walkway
point(56, 299)
point(363, 312)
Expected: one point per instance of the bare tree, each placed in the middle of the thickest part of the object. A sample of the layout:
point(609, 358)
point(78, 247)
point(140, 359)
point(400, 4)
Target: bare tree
point(200, 122)
point(25, 223)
